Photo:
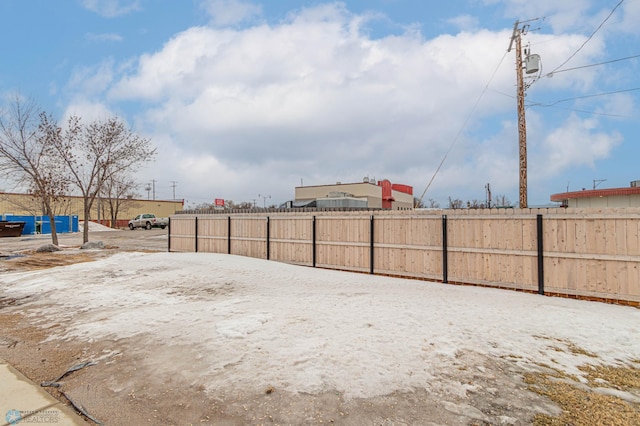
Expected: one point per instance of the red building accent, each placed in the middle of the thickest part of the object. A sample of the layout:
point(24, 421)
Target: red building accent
point(387, 196)
point(405, 189)
point(592, 193)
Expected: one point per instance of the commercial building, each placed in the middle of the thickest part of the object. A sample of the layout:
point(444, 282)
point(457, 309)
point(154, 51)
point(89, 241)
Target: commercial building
point(597, 198)
point(28, 205)
point(366, 194)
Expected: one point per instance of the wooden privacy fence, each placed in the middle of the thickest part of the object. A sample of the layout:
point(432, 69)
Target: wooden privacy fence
point(586, 253)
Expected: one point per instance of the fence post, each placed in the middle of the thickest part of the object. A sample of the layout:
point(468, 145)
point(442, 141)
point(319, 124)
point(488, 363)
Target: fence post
point(196, 234)
point(169, 235)
point(445, 260)
point(268, 232)
point(371, 251)
point(228, 234)
point(540, 254)
point(313, 242)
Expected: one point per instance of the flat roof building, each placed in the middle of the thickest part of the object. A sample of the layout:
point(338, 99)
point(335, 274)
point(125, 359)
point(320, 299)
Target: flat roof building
point(596, 198)
point(366, 194)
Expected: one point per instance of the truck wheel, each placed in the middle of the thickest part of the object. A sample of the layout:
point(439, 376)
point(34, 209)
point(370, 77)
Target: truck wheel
point(148, 225)
point(131, 226)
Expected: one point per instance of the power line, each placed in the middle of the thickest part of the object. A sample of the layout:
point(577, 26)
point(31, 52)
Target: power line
point(591, 112)
point(550, 74)
point(552, 105)
point(584, 97)
point(590, 37)
point(533, 104)
point(464, 125)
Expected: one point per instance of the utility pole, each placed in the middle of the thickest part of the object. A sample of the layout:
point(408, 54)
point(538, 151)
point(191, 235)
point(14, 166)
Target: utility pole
point(148, 188)
point(518, 31)
point(154, 188)
point(488, 188)
point(173, 185)
point(522, 125)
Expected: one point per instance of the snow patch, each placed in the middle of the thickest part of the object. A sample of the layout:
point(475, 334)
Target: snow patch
point(250, 322)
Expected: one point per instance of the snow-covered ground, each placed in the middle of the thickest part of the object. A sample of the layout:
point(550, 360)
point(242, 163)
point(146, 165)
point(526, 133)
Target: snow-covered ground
point(96, 227)
point(237, 320)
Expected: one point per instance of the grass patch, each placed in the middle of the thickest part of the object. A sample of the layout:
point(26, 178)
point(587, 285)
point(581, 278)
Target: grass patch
point(583, 406)
point(576, 350)
point(621, 378)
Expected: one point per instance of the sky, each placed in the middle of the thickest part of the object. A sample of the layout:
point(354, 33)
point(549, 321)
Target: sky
point(247, 100)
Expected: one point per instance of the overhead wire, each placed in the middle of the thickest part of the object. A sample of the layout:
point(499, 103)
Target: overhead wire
point(585, 97)
point(556, 70)
point(534, 104)
point(550, 74)
point(592, 112)
point(590, 37)
point(464, 125)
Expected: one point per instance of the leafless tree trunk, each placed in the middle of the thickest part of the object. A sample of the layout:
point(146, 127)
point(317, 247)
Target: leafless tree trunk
point(455, 203)
point(502, 200)
point(433, 204)
point(25, 155)
point(96, 152)
point(118, 192)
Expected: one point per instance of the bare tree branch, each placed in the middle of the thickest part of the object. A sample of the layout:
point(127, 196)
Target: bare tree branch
point(95, 153)
point(26, 157)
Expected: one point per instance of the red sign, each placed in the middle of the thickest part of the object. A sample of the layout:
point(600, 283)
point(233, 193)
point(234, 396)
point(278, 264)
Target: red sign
point(219, 202)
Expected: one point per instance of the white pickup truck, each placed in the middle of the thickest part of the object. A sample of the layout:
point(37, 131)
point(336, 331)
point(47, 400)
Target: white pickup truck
point(148, 221)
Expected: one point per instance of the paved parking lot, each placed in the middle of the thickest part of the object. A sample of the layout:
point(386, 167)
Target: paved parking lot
point(140, 239)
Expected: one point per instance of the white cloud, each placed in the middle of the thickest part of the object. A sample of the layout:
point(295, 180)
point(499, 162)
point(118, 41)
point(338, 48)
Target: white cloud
point(103, 37)
point(255, 110)
point(578, 142)
point(92, 80)
point(631, 17)
point(88, 110)
point(230, 12)
point(111, 8)
point(465, 22)
point(619, 105)
point(561, 16)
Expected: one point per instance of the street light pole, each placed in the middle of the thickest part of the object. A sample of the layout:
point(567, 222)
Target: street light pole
point(597, 182)
point(264, 200)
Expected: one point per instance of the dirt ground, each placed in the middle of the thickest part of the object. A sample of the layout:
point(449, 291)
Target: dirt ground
point(124, 389)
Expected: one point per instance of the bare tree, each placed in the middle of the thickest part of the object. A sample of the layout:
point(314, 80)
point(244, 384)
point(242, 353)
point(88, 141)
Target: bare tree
point(502, 201)
point(433, 204)
point(26, 156)
point(93, 153)
point(455, 203)
point(30, 204)
point(117, 193)
point(475, 204)
point(203, 206)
